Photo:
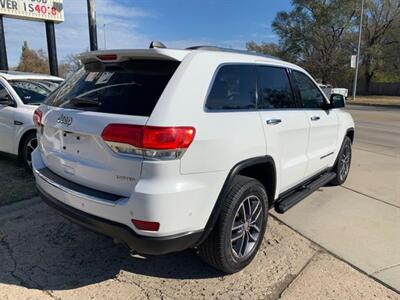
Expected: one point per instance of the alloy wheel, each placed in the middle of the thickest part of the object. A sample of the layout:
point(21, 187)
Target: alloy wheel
point(30, 146)
point(246, 227)
point(345, 160)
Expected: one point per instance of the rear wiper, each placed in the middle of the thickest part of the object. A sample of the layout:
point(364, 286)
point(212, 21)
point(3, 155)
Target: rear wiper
point(84, 102)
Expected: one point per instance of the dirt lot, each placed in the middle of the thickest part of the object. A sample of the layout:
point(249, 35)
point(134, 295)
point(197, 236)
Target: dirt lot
point(17, 183)
point(46, 257)
point(376, 100)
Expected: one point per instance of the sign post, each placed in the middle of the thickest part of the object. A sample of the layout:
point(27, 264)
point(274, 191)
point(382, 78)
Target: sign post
point(51, 48)
point(92, 24)
point(358, 51)
point(49, 11)
point(3, 50)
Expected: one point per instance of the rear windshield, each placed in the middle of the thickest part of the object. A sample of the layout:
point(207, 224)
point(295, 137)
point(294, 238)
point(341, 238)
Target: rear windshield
point(127, 88)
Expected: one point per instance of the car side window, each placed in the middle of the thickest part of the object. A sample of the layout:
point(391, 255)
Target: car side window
point(234, 87)
point(310, 94)
point(29, 92)
point(275, 90)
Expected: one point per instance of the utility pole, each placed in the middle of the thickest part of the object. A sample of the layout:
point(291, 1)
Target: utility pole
point(105, 39)
point(92, 24)
point(358, 50)
point(104, 32)
point(3, 49)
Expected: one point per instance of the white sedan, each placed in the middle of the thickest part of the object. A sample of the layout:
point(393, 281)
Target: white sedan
point(20, 94)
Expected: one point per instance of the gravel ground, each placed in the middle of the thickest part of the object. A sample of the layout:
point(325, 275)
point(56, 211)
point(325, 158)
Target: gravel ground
point(16, 182)
point(44, 256)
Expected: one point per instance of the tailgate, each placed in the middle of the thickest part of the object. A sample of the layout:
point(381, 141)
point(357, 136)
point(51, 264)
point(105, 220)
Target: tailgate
point(72, 147)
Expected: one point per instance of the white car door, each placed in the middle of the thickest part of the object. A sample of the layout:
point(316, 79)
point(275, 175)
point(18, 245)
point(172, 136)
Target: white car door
point(7, 126)
point(286, 126)
point(321, 150)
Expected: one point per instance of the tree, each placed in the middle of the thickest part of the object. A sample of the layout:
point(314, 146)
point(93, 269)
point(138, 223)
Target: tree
point(32, 60)
point(381, 37)
point(70, 65)
point(312, 35)
point(265, 48)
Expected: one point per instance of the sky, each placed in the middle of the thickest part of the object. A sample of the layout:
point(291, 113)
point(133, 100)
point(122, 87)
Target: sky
point(135, 23)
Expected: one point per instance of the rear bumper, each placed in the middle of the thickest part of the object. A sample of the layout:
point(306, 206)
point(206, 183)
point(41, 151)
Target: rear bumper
point(141, 244)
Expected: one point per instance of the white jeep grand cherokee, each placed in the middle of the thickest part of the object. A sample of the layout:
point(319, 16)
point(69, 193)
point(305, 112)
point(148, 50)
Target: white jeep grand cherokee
point(165, 150)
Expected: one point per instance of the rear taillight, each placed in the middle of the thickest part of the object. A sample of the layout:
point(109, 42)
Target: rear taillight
point(37, 118)
point(149, 141)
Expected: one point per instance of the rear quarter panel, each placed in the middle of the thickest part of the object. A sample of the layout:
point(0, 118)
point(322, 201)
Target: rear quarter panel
point(222, 138)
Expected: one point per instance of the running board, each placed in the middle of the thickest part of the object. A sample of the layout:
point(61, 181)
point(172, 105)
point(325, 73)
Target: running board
point(285, 203)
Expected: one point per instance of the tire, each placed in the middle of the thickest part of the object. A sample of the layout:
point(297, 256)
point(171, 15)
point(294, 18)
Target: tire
point(28, 145)
point(218, 250)
point(343, 163)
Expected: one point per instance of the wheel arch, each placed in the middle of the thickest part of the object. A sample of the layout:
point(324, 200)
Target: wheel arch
point(350, 134)
point(22, 139)
point(261, 168)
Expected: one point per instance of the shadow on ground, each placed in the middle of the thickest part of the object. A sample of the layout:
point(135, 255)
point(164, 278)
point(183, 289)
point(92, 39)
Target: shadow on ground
point(41, 250)
point(58, 255)
point(16, 182)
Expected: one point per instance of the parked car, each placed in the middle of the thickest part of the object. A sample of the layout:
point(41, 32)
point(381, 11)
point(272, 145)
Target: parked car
point(329, 90)
point(341, 91)
point(166, 149)
point(326, 88)
point(20, 94)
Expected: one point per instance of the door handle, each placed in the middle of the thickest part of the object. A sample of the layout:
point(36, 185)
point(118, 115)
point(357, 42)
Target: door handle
point(315, 118)
point(273, 121)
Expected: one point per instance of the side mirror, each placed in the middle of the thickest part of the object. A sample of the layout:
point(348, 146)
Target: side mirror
point(6, 101)
point(336, 101)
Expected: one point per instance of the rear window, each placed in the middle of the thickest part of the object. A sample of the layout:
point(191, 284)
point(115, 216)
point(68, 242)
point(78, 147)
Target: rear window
point(127, 88)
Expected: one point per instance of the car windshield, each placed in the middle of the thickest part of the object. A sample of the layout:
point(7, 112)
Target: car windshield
point(31, 92)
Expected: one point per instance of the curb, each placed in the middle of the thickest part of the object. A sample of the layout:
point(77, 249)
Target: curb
point(395, 106)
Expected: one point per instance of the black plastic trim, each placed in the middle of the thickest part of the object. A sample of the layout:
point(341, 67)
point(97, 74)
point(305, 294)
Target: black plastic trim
point(225, 189)
point(301, 184)
point(285, 203)
point(351, 129)
point(138, 243)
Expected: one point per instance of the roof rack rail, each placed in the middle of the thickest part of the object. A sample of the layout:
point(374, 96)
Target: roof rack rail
point(222, 49)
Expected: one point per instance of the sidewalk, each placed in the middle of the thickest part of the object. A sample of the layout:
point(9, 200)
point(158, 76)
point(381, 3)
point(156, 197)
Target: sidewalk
point(360, 221)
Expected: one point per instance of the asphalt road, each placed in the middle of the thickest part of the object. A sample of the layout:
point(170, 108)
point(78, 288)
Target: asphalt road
point(377, 128)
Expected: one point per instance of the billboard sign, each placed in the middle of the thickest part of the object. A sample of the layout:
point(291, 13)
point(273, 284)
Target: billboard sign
point(34, 10)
